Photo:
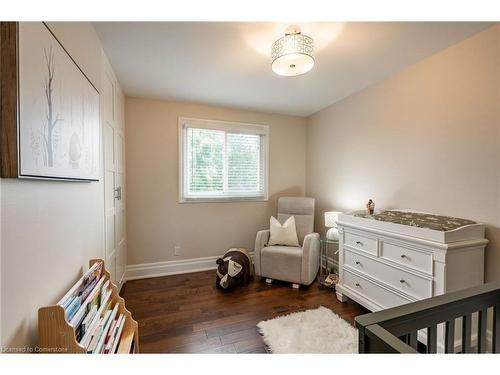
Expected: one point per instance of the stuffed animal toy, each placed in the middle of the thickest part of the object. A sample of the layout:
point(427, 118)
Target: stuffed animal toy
point(234, 268)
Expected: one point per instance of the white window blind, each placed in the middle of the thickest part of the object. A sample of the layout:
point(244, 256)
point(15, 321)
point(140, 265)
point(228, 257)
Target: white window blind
point(222, 160)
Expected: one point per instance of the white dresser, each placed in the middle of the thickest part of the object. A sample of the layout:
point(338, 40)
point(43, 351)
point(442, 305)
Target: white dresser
point(385, 264)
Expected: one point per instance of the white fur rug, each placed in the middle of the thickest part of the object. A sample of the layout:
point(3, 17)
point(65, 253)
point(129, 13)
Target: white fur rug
point(312, 331)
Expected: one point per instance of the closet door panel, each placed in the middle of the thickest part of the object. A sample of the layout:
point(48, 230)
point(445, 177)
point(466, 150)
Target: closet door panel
point(114, 178)
point(109, 173)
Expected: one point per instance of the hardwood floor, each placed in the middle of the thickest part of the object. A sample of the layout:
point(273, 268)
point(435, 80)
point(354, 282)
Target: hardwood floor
point(188, 314)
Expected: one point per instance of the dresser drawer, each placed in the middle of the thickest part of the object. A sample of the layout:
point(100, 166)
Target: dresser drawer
point(415, 259)
point(408, 283)
point(382, 297)
point(360, 242)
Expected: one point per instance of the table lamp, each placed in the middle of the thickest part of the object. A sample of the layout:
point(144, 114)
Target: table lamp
point(331, 218)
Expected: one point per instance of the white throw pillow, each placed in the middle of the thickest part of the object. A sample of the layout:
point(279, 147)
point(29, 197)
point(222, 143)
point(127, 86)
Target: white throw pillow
point(285, 234)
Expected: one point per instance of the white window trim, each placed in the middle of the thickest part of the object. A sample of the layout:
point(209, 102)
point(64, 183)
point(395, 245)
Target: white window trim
point(223, 125)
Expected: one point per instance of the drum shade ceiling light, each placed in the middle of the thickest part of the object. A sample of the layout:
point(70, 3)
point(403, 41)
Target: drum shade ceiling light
point(292, 54)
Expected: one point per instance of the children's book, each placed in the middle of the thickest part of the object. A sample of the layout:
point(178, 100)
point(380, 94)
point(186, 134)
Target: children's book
point(118, 334)
point(72, 308)
point(92, 340)
point(77, 289)
point(112, 335)
point(68, 302)
point(88, 319)
point(82, 311)
point(85, 339)
point(87, 336)
point(100, 344)
point(93, 347)
point(108, 340)
point(88, 289)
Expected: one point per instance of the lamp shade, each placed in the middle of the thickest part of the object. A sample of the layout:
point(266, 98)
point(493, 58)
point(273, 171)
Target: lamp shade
point(292, 54)
point(331, 218)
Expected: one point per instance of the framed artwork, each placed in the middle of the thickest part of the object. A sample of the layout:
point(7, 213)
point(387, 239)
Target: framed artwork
point(58, 110)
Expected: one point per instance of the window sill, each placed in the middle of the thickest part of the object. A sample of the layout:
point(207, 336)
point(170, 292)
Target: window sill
point(223, 200)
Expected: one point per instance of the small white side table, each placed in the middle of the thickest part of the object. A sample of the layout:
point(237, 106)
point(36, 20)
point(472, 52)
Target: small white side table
point(327, 246)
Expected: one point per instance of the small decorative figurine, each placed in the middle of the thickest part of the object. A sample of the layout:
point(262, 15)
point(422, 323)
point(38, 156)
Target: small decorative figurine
point(370, 207)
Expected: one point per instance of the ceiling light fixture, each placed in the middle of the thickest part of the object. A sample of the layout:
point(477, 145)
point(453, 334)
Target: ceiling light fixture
point(292, 54)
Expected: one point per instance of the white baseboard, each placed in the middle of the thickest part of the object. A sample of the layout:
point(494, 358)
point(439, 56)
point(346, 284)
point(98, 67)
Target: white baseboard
point(171, 267)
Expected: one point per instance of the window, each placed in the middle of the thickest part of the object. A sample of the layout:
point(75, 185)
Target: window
point(222, 160)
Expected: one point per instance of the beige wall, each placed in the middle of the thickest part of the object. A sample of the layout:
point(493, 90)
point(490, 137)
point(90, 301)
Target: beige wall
point(156, 222)
point(49, 229)
point(427, 138)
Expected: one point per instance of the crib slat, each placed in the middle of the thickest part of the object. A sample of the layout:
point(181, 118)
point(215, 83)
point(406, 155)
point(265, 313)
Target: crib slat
point(431, 339)
point(481, 331)
point(412, 339)
point(496, 330)
point(466, 333)
point(449, 340)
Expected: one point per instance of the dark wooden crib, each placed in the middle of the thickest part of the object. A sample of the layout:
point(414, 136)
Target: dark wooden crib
point(475, 311)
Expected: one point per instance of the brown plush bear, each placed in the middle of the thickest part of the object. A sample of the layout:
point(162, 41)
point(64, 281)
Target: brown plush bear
point(234, 268)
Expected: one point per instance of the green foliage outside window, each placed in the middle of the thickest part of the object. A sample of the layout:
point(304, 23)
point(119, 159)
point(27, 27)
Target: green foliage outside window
point(207, 158)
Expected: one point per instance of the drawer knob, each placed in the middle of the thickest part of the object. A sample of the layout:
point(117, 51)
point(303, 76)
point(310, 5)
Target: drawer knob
point(357, 284)
point(402, 281)
point(358, 262)
point(359, 243)
point(403, 256)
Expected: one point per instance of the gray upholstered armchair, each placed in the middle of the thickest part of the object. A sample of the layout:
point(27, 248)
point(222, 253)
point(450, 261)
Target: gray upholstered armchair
point(298, 265)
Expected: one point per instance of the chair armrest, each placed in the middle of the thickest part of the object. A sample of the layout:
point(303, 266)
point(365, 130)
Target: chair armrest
point(261, 240)
point(310, 258)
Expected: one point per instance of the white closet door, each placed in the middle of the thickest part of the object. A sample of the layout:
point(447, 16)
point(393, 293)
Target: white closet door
point(109, 172)
point(120, 224)
point(114, 178)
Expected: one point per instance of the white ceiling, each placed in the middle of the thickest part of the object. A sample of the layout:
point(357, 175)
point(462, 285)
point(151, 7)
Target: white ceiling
point(228, 64)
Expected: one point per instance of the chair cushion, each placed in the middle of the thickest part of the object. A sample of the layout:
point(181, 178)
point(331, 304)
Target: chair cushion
point(303, 224)
point(285, 234)
point(296, 205)
point(282, 263)
point(302, 208)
